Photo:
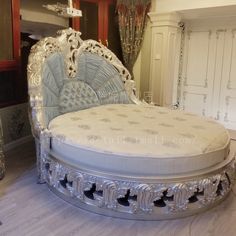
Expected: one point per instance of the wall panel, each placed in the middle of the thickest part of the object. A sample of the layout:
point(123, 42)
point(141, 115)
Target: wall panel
point(232, 72)
point(156, 67)
point(195, 103)
point(197, 58)
point(209, 74)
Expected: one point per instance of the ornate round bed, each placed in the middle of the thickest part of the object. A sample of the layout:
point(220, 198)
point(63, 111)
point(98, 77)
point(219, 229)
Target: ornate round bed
point(102, 149)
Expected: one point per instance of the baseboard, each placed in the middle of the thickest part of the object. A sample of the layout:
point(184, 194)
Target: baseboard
point(232, 134)
point(18, 142)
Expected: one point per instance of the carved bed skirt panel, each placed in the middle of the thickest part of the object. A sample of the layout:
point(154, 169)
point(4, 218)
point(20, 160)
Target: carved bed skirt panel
point(154, 198)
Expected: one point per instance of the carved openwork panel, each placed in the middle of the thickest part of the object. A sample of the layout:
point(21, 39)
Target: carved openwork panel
point(98, 48)
point(139, 197)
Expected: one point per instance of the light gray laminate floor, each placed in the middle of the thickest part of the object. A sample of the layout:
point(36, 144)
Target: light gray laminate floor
point(30, 209)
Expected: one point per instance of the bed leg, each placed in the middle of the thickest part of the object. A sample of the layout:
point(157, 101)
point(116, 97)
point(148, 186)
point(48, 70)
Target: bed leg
point(42, 153)
point(41, 179)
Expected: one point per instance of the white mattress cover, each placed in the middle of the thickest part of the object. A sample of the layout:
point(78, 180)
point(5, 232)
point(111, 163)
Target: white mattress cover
point(138, 139)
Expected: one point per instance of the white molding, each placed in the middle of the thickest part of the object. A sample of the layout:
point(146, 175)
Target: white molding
point(206, 72)
point(229, 83)
point(18, 142)
point(203, 100)
point(164, 44)
point(221, 100)
point(232, 134)
point(171, 19)
point(198, 8)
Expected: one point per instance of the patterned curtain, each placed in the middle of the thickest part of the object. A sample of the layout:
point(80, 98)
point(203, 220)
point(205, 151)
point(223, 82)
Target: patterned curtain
point(132, 21)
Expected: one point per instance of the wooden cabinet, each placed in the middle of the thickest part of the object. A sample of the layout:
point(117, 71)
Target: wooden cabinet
point(99, 21)
point(10, 83)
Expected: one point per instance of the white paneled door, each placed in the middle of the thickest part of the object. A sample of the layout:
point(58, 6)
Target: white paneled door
point(208, 80)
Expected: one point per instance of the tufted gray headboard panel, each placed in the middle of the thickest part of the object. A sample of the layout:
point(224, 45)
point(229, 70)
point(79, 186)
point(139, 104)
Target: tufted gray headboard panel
point(96, 82)
point(67, 74)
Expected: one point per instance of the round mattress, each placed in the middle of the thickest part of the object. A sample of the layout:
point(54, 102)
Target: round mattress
point(141, 140)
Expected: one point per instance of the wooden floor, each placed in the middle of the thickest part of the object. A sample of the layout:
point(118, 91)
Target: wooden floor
point(30, 209)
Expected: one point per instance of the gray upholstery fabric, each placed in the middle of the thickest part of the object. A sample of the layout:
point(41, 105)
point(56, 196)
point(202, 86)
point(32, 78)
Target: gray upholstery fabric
point(76, 95)
point(97, 82)
point(53, 78)
point(103, 78)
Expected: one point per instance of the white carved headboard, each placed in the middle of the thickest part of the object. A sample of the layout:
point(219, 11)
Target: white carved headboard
point(66, 74)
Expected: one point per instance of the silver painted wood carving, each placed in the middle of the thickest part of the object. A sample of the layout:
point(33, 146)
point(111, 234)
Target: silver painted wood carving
point(136, 197)
point(133, 197)
point(71, 46)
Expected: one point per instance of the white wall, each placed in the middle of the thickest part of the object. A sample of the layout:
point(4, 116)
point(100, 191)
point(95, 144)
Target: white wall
point(178, 5)
point(145, 61)
point(137, 74)
point(142, 66)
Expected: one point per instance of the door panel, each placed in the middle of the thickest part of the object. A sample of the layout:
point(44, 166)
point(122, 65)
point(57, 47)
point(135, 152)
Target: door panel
point(197, 62)
point(113, 36)
point(198, 72)
point(10, 80)
point(99, 21)
point(6, 36)
point(209, 73)
point(7, 86)
point(227, 98)
point(89, 20)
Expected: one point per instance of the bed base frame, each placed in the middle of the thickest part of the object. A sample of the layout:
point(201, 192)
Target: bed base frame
point(139, 198)
point(131, 197)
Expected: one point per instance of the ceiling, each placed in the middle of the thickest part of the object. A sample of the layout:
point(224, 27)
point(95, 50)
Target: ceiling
point(200, 13)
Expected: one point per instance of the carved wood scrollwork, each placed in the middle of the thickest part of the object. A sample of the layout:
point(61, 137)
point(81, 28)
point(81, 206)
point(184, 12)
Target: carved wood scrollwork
point(134, 197)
